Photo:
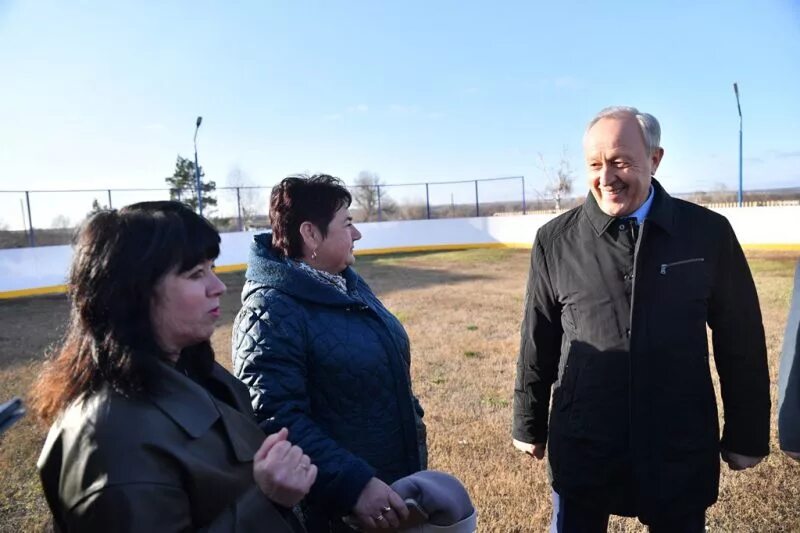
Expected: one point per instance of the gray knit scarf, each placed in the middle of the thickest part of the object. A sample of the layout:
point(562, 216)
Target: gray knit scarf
point(326, 278)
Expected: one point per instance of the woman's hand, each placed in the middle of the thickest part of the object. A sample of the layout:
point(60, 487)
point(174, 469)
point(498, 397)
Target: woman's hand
point(282, 471)
point(379, 507)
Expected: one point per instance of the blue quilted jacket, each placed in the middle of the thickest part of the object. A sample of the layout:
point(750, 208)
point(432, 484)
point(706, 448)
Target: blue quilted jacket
point(334, 369)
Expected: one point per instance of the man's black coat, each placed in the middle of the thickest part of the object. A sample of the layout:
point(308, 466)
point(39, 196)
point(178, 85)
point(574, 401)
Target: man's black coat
point(615, 326)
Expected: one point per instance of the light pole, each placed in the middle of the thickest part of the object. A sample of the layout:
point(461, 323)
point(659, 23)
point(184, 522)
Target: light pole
point(197, 184)
point(739, 107)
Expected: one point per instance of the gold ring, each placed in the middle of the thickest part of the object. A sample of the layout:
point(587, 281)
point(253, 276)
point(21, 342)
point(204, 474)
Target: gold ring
point(386, 509)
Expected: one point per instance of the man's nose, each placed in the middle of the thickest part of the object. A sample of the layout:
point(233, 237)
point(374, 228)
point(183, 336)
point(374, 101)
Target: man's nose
point(356, 234)
point(606, 175)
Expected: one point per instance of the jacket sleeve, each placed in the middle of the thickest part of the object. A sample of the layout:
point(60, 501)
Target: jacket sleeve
point(789, 377)
point(155, 508)
point(270, 357)
point(740, 351)
point(539, 353)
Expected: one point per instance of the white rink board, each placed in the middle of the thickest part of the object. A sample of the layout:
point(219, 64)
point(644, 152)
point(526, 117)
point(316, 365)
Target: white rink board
point(23, 269)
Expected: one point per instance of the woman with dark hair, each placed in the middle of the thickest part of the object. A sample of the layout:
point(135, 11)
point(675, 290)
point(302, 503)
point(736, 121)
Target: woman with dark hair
point(323, 357)
point(148, 432)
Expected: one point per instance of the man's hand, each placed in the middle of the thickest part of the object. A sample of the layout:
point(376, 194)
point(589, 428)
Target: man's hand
point(536, 450)
point(739, 462)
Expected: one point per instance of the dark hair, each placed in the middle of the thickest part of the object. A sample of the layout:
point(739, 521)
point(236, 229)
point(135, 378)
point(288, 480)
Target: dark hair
point(119, 256)
point(302, 198)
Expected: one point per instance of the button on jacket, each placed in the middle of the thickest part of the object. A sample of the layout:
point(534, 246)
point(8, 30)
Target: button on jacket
point(615, 326)
point(180, 459)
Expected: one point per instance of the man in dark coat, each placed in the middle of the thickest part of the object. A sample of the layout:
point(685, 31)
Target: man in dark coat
point(619, 295)
point(789, 379)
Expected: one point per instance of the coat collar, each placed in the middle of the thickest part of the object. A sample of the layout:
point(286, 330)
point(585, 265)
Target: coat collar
point(195, 410)
point(186, 402)
point(662, 212)
point(266, 267)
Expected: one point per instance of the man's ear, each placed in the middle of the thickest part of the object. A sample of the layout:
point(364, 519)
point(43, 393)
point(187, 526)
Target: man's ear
point(655, 159)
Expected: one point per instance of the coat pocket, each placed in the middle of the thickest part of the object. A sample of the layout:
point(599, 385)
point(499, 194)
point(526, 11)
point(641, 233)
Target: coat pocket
point(598, 396)
point(665, 267)
point(683, 288)
point(685, 406)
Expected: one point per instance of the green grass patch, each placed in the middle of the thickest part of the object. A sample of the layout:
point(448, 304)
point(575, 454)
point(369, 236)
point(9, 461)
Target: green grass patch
point(402, 316)
point(772, 267)
point(495, 401)
point(476, 255)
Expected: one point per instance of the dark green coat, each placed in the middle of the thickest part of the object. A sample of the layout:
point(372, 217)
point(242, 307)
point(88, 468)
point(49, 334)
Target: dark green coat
point(178, 460)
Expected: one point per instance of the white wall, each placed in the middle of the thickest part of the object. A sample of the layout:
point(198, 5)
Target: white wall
point(31, 268)
point(764, 225)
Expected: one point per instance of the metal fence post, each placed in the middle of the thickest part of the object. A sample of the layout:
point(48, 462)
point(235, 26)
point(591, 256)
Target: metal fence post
point(110, 206)
point(427, 201)
point(477, 205)
point(239, 209)
point(31, 237)
point(378, 187)
point(24, 225)
point(522, 178)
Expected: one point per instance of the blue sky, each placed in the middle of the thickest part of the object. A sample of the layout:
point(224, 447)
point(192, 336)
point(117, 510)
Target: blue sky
point(105, 94)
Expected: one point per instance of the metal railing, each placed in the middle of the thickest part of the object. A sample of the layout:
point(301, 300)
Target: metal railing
point(246, 207)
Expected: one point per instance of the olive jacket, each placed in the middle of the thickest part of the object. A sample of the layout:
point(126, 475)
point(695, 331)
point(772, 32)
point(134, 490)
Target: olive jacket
point(177, 459)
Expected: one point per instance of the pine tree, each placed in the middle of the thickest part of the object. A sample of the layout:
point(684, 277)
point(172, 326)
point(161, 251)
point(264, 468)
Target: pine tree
point(183, 186)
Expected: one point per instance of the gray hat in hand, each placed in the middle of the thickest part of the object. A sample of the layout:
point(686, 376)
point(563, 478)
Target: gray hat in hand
point(439, 501)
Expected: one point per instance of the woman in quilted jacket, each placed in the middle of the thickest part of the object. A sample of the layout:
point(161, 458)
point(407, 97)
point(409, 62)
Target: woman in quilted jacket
point(323, 357)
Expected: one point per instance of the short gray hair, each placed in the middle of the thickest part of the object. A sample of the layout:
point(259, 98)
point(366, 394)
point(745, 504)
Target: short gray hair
point(651, 130)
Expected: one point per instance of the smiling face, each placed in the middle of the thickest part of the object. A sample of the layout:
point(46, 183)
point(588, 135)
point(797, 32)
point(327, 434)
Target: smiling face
point(185, 307)
point(618, 165)
point(334, 253)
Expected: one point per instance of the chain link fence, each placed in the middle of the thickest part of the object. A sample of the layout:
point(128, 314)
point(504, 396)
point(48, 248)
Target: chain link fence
point(49, 217)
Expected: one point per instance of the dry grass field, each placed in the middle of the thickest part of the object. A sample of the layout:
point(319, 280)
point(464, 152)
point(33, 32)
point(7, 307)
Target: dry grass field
point(462, 312)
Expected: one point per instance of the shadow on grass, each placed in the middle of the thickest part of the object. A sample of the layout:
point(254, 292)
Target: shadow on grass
point(384, 278)
point(33, 325)
point(30, 326)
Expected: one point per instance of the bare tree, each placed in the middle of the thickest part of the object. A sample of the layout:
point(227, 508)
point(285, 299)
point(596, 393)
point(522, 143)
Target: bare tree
point(61, 222)
point(413, 210)
point(244, 192)
point(97, 206)
point(721, 193)
point(559, 180)
point(370, 196)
